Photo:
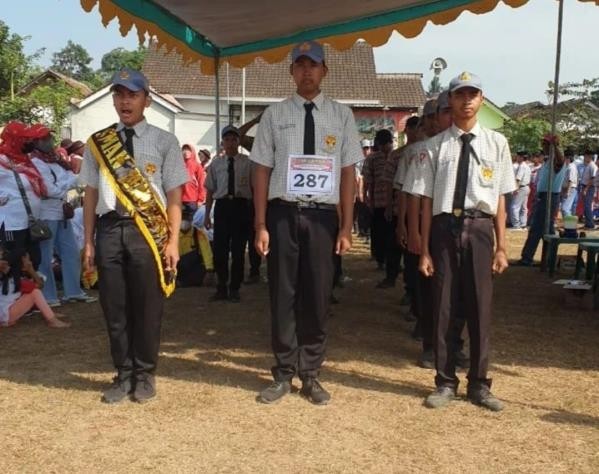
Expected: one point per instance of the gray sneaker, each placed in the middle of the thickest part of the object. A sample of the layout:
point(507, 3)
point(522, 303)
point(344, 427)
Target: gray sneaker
point(274, 392)
point(440, 397)
point(145, 388)
point(314, 392)
point(483, 397)
point(118, 391)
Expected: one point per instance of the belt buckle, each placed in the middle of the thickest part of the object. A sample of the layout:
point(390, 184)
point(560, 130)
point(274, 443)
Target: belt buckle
point(457, 212)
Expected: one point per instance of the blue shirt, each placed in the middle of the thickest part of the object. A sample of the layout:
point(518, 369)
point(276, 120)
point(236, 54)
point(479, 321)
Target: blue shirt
point(543, 178)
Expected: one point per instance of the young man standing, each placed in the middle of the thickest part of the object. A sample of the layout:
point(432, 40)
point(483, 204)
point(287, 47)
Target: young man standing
point(133, 173)
point(228, 186)
point(304, 155)
point(463, 182)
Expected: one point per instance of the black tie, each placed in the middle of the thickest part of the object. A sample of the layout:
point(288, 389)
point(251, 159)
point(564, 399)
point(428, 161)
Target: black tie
point(129, 132)
point(459, 195)
point(309, 130)
point(231, 173)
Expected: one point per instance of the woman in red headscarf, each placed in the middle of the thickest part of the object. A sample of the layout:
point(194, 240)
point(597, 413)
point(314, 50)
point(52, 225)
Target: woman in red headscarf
point(16, 166)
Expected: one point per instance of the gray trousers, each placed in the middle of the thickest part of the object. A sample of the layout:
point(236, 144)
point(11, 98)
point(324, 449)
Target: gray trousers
point(518, 208)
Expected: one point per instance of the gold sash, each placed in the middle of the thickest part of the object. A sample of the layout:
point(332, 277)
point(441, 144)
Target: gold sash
point(136, 194)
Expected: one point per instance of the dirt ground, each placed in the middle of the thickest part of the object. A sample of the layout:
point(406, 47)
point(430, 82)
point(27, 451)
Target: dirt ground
point(215, 357)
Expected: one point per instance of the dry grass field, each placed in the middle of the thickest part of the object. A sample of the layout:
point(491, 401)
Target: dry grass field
point(215, 357)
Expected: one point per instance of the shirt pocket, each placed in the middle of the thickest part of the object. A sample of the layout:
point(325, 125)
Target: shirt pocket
point(487, 173)
point(328, 140)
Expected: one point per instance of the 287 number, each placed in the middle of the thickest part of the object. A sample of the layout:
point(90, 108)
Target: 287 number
point(310, 180)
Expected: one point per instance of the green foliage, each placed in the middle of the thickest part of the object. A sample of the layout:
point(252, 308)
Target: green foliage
point(120, 58)
point(526, 133)
point(15, 65)
point(73, 60)
point(48, 104)
point(435, 86)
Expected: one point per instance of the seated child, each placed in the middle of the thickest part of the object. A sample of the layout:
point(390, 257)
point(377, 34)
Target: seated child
point(18, 295)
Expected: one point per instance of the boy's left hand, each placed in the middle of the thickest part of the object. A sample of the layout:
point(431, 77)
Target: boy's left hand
point(500, 262)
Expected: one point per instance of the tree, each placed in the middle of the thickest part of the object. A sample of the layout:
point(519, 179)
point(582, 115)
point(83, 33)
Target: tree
point(120, 58)
point(73, 60)
point(435, 86)
point(15, 66)
point(525, 133)
point(48, 104)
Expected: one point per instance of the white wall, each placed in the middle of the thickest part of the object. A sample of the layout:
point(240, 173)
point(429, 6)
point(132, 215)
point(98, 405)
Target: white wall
point(197, 131)
point(100, 114)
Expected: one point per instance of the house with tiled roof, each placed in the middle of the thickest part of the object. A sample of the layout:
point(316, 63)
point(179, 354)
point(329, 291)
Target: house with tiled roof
point(377, 100)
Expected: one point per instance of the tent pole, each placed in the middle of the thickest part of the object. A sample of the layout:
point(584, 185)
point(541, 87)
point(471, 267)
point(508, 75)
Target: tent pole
point(217, 101)
point(552, 149)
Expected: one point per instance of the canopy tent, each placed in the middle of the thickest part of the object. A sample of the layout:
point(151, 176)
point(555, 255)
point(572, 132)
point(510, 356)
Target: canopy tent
point(238, 32)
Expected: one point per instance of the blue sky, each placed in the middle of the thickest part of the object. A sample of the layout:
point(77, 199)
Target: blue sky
point(512, 50)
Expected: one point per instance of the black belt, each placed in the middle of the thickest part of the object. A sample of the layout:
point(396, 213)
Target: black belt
point(115, 216)
point(304, 205)
point(230, 197)
point(469, 214)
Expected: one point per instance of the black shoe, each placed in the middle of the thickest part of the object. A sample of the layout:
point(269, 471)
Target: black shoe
point(314, 392)
point(219, 296)
point(234, 296)
point(462, 361)
point(274, 392)
point(118, 391)
point(145, 388)
point(427, 360)
point(384, 284)
point(333, 299)
point(483, 397)
point(253, 279)
point(524, 263)
point(441, 397)
point(380, 267)
point(409, 317)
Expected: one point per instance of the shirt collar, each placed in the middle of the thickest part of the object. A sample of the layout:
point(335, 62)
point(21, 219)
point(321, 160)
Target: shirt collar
point(300, 101)
point(458, 132)
point(139, 127)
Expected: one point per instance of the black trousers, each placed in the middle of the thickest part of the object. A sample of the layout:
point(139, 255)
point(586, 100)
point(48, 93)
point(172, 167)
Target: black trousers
point(462, 284)
point(363, 217)
point(300, 279)
point(231, 231)
point(130, 295)
point(421, 299)
point(378, 235)
point(254, 258)
point(393, 250)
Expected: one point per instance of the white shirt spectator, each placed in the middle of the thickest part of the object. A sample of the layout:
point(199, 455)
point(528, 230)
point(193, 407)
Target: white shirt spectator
point(58, 182)
point(12, 209)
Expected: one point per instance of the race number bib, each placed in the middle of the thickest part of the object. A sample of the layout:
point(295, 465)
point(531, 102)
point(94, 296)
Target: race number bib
point(310, 175)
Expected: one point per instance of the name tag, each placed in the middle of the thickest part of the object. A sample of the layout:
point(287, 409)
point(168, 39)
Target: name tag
point(310, 175)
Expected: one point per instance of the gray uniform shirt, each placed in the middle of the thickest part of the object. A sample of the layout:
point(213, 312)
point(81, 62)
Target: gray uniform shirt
point(157, 155)
point(281, 134)
point(490, 174)
point(217, 178)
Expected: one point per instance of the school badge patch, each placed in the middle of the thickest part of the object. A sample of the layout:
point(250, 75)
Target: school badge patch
point(487, 174)
point(305, 47)
point(150, 169)
point(124, 75)
point(330, 142)
point(465, 76)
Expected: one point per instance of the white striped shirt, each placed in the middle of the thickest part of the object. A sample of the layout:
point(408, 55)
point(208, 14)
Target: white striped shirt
point(281, 134)
point(490, 173)
point(157, 155)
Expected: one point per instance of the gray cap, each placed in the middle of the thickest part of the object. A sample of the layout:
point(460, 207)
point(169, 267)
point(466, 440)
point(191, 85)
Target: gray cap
point(443, 101)
point(465, 79)
point(310, 49)
point(430, 108)
point(230, 129)
point(131, 79)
